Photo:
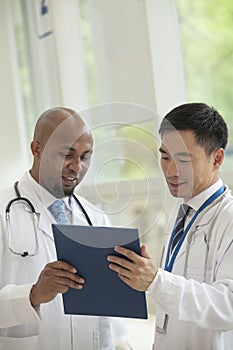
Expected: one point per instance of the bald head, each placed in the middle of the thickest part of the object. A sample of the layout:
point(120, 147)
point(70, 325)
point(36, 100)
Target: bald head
point(61, 147)
point(49, 121)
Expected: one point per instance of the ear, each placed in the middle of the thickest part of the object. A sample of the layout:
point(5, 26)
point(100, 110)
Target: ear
point(36, 149)
point(218, 157)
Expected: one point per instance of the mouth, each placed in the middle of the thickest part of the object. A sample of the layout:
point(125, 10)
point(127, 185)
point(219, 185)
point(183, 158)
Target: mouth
point(174, 184)
point(70, 181)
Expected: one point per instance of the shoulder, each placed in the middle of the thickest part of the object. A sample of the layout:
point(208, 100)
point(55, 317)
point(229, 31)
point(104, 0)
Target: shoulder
point(227, 202)
point(6, 195)
point(223, 210)
point(9, 193)
point(222, 219)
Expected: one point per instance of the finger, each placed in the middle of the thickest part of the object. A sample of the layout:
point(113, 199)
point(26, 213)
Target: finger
point(130, 254)
point(120, 261)
point(120, 270)
point(62, 265)
point(126, 280)
point(55, 275)
point(68, 275)
point(68, 283)
point(62, 268)
point(144, 252)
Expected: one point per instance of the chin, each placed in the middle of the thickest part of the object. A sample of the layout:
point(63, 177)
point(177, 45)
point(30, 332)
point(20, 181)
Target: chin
point(175, 193)
point(68, 192)
point(60, 192)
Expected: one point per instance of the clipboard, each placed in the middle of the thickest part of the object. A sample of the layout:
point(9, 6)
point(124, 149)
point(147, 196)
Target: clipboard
point(103, 294)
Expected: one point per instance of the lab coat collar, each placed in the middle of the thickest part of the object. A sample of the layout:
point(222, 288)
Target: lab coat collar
point(195, 203)
point(198, 200)
point(42, 196)
point(40, 199)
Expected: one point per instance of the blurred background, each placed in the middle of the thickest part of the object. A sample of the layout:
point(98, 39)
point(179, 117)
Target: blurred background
point(122, 64)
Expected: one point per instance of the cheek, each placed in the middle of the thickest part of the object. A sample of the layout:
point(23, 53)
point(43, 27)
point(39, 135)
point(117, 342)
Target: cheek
point(163, 166)
point(187, 170)
point(85, 168)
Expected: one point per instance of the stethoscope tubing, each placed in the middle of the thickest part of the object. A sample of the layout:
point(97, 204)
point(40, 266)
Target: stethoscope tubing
point(33, 211)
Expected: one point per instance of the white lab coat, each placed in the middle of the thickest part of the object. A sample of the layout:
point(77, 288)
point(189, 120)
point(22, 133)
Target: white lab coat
point(199, 300)
point(23, 327)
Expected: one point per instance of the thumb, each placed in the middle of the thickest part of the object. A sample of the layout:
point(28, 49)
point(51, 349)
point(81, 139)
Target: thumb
point(144, 252)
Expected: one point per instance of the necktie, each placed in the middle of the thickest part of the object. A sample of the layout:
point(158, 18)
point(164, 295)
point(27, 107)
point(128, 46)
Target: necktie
point(57, 209)
point(179, 225)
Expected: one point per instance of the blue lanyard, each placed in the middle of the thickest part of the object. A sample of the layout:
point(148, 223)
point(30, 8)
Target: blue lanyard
point(169, 264)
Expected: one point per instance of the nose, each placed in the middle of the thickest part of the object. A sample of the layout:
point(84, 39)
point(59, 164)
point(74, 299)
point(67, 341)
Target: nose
point(75, 165)
point(172, 169)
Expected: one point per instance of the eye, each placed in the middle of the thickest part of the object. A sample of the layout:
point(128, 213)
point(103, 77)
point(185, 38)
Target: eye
point(65, 155)
point(86, 156)
point(164, 157)
point(184, 160)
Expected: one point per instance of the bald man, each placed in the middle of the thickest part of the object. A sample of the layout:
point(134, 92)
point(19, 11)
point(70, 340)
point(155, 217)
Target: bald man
point(31, 280)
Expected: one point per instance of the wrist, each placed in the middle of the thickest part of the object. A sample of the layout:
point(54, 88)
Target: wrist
point(33, 297)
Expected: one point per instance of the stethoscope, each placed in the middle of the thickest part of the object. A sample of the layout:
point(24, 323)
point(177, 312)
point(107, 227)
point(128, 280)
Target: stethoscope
point(32, 211)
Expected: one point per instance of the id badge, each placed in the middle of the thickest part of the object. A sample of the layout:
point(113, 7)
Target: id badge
point(161, 320)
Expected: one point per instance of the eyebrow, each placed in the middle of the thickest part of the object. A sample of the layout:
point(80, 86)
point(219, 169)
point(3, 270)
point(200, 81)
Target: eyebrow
point(182, 154)
point(71, 149)
point(162, 150)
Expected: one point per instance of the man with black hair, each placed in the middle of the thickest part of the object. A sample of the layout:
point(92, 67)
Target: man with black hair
point(193, 288)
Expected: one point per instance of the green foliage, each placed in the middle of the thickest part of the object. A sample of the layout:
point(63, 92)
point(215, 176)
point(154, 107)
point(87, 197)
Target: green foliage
point(207, 42)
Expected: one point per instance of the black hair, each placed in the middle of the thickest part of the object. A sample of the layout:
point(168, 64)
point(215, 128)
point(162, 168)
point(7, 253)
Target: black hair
point(209, 128)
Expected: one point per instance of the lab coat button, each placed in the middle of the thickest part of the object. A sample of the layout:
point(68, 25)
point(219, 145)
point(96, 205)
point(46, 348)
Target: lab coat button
point(75, 325)
point(158, 337)
point(96, 334)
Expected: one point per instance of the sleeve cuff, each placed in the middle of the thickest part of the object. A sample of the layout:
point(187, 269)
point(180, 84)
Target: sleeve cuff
point(16, 307)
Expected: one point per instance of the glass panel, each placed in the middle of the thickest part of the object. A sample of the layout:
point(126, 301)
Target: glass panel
point(36, 60)
point(19, 14)
point(125, 151)
point(88, 52)
point(207, 45)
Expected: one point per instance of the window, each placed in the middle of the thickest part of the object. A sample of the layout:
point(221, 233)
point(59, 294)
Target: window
point(38, 70)
point(207, 45)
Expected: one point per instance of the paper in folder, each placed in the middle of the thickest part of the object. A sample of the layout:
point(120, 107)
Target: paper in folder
point(103, 294)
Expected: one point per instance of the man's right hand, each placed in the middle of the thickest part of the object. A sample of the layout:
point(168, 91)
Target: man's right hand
point(56, 277)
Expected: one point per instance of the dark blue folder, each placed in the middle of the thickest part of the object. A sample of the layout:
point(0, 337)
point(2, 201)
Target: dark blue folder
point(104, 294)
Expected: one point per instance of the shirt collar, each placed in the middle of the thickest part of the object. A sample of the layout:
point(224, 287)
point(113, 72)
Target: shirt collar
point(198, 200)
point(68, 202)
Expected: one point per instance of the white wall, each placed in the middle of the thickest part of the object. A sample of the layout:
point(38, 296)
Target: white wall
point(166, 54)
point(137, 52)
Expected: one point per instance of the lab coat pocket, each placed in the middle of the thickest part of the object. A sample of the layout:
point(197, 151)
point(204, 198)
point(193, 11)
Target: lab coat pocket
point(27, 343)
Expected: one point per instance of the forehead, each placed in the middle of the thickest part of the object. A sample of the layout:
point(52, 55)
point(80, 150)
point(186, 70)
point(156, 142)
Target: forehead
point(70, 131)
point(178, 141)
point(71, 140)
point(83, 143)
